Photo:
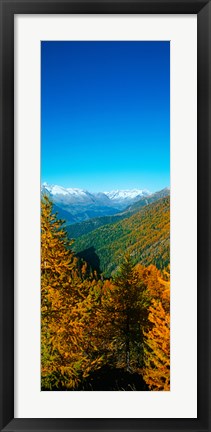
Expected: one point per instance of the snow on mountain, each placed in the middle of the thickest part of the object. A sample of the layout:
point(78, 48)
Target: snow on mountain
point(69, 195)
point(60, 190)
point(81, 204)
point(81, 195)
point(54, 189)
point(67, 198)
point(128, 194)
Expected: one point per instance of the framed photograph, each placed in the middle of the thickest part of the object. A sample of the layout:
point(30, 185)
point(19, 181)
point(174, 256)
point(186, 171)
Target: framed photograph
point(105, 232)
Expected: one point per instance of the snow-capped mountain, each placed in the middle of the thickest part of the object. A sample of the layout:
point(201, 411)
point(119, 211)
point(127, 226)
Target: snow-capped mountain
point(69, 195)
point(81, 195)
point(128, 194)
point(81, 204)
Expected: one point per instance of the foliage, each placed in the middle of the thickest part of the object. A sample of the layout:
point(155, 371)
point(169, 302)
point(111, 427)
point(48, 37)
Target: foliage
point(144, 235)
point(156, 371)
point(130, 314)
point(76, 230)
point(90, 325)
point(65, 308)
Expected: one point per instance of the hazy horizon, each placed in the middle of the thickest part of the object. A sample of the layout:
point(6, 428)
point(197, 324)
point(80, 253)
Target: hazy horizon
point(44, 183)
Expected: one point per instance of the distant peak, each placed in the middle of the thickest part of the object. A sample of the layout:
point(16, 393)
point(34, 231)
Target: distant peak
point(127, 194)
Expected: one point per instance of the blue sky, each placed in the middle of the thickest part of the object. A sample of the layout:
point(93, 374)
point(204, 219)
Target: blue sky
point(105, 115)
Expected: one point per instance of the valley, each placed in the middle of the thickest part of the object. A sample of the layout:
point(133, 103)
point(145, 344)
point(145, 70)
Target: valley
point(79, 205)
point(105, 226)
point(145, 235)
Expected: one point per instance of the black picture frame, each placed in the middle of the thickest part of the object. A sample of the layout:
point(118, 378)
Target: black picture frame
point(7, 11)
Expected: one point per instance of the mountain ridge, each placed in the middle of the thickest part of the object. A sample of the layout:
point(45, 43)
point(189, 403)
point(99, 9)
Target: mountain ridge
point(78, 229)
point(145, 235)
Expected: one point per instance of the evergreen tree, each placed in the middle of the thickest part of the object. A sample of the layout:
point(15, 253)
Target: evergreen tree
point(129, 306)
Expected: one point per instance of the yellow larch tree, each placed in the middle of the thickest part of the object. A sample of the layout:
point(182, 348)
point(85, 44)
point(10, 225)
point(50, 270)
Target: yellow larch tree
point(65, 306)
point(156, 371)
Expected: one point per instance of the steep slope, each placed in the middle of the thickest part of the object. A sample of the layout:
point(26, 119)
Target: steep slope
point(79, 229)
point(145, 235)
point(148, 200)
point(76, 230)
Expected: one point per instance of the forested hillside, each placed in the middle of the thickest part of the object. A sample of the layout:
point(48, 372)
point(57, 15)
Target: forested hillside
point(144, 235)
point(78, 229)
point(111, 334)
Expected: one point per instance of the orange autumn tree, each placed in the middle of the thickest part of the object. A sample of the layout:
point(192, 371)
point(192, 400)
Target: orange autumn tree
point(153, 280)
point(65, 306)
point(156, 371)
point(103, 326)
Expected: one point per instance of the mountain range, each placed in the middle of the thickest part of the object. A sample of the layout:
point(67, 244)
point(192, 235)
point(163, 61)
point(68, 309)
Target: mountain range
point(77, 205)
point(78, 229)
point(106, 225)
